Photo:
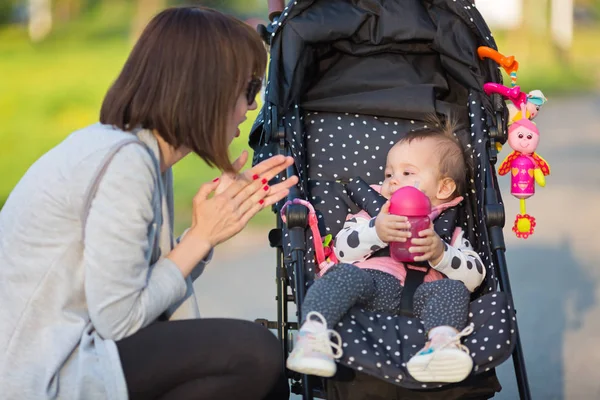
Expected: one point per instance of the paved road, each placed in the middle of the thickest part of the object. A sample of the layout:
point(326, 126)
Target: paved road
point(554, 276)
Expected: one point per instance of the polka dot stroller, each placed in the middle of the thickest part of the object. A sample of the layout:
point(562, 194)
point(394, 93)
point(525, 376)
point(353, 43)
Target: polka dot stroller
point(347, 78)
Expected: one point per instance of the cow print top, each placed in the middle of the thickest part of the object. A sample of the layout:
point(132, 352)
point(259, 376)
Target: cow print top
point(358, 240)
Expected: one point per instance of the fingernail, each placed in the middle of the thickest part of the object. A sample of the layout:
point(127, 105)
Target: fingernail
point(264, 181)
point(255, 177)
point(266, 188)
point(261, 202)
point(216, 179)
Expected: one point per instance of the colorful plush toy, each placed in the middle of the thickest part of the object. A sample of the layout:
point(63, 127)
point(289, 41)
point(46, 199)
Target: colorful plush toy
point(526, 168)
point(535, 101)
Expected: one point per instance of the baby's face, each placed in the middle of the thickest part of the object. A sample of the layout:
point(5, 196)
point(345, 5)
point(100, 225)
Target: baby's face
point(412, 164)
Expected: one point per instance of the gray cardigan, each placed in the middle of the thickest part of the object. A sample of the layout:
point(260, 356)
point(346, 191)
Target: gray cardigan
point(68, 291)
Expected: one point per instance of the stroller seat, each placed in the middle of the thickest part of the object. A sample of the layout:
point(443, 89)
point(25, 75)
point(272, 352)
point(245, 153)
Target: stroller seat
point(347, 79)
point(379, 343)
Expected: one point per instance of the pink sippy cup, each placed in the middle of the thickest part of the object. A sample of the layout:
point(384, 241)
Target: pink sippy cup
point(410, 202)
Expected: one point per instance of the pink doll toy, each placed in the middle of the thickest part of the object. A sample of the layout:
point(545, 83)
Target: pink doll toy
point(535, 101)
point(526, 168)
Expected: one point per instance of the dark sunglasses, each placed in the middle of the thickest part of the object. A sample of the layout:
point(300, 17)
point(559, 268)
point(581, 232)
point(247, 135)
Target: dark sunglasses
point(253, 88)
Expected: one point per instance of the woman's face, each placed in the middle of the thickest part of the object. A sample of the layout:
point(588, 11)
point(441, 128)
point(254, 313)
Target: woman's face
point(242, 106)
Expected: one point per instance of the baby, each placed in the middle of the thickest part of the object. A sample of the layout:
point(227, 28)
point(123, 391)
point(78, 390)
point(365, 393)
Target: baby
point(433, 160)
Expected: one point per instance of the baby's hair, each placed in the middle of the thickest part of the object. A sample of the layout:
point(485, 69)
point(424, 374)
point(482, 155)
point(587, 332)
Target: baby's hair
point(453, 163)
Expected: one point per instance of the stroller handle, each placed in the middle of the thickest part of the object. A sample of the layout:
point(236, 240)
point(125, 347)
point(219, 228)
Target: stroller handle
point(275, 8)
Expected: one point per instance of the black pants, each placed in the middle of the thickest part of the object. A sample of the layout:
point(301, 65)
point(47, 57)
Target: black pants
point(203, 359)
point(443, 302)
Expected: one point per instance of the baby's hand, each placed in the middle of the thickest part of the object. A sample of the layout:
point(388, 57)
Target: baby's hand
point(430, 244)
point(391, 228)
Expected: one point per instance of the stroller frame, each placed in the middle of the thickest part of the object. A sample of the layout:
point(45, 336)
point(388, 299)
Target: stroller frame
point(297, 224)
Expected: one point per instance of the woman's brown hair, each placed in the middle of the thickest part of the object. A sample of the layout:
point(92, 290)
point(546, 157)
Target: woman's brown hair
point(183, 78)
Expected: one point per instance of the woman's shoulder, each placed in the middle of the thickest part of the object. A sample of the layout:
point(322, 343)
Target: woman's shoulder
point(89, 147)
point(72, 166)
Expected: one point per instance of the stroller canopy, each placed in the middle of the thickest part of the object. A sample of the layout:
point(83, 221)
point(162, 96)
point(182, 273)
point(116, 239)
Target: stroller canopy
point(401, 59)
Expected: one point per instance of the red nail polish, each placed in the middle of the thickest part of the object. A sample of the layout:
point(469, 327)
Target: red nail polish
point(264, 181)
point(266, 188)
point(216, 179)
point(254, 177)
point(261, 202)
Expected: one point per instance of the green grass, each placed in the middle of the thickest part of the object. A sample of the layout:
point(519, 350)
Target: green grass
point(50, 89)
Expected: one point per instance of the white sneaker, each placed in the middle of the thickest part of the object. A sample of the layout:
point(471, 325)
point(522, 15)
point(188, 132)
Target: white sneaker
point(443, 359)
point(313, 353)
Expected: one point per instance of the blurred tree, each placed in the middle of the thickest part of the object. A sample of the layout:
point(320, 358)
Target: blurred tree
point(40, 19)
point(6, 10)
point(67, 10)
point(239, 7)
point(145, 10)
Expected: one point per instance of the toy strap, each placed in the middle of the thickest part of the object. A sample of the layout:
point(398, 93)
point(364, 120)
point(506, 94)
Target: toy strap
point(314, 227)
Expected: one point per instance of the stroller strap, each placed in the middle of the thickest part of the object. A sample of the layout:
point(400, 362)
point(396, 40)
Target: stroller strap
point(324, 253)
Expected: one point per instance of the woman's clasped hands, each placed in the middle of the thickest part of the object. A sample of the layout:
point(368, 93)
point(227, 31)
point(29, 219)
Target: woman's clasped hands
point(238, 196)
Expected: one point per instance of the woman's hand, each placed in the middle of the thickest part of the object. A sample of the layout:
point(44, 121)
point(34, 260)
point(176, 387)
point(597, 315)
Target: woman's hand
point(390, 227)
point(220, 217)
point(227, 178)
point(216, 219)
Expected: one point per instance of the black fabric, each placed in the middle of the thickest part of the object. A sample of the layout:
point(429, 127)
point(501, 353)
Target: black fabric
point(348, 384)
point(345, 285)
point(364, 61)
point(444, 302)
point(203, 359)
point(413, 279)
point(364, 196)
point(491, 342)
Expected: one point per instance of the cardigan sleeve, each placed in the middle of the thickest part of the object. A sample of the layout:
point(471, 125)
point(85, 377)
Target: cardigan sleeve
point(124, 292)
point(199, 268)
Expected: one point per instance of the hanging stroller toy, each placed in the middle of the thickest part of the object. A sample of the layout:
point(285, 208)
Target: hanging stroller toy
point(525, 166)
point(510, 64)
point(534, 100)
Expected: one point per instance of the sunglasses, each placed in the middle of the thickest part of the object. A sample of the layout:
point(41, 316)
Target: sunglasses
point(253, 88)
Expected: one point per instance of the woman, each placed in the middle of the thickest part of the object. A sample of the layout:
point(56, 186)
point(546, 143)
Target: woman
point(91, 280)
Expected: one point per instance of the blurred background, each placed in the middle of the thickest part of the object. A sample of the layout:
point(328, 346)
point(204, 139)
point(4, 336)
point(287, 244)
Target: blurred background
point(58, 58)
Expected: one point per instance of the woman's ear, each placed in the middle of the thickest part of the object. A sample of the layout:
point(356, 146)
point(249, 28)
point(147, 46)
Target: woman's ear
point(446, 189)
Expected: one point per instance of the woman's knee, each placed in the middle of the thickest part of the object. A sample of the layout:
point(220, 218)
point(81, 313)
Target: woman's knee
point(259, 352)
